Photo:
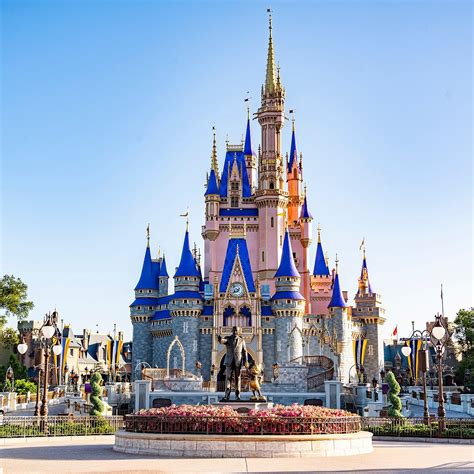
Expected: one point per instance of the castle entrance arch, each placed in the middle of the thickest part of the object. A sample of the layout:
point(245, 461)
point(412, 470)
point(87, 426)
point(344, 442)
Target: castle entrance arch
point(175, 342)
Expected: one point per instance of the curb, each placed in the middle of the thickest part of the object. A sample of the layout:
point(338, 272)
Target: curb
point(52, 439)
point(413, 439)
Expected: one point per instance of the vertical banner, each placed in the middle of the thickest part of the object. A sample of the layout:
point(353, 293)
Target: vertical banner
point(65, 343)
point(109, 352)
point(118, 351)
point(359, 346)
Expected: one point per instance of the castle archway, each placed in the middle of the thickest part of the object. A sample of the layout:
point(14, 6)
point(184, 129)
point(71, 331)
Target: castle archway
point(175, 342)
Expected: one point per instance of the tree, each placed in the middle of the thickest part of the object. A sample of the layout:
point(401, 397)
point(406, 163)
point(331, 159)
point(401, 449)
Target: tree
point(13, 302)
point(13, 298)
point(464, 335)
point(393, 398)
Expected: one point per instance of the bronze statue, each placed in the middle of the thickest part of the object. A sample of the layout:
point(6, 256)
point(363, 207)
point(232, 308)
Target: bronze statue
point(255, 371)
point(235, 357)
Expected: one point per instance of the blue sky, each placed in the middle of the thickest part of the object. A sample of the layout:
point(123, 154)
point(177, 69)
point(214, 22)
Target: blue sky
point(107, 110)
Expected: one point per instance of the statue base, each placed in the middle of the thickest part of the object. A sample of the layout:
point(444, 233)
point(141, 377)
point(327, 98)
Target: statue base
point(245, 405)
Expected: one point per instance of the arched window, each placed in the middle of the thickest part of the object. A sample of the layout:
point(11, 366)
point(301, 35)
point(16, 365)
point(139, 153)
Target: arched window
point(229, 311)
point(246, 313)
point(272, 185)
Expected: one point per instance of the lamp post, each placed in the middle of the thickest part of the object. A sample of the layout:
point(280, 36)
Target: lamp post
point(375, 382)
point(48, 336)
point(422, 357)
point(439, 337)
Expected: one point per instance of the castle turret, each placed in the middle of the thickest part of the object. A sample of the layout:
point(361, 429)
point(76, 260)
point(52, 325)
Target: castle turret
point(294, 179)
point(288, 306)
point(142, 309)
point(250, 156)
point(163, 278)
point(368, 311)
point(271, 198)
point(340, 323)
point(185, 307)
point(321, 282)
point(306, 226)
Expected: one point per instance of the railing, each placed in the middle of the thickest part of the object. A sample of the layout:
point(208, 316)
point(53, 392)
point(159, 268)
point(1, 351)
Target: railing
point(416, 427)
point(317, 361)
point(243, 424)
point(28, 426)
point(318, 379)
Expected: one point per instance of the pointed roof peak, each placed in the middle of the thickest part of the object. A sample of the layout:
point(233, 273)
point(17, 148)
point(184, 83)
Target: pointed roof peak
point(337, 299)
point(287, 263)
point(163, 269)
point(187, 264)
point(212, 187)
point(147, 279)
point(320, 264)
point(248, 139)
point(293, 151)
point(305, 214)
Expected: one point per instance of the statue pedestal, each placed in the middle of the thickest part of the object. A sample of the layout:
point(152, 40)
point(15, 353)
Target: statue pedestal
point(246, 405)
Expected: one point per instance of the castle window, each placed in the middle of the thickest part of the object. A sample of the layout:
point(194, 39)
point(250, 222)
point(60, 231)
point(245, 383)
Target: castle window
point(288, 301)
point(281, 240)
point(272, 185)
point(234, 186)
point(150, 307)
point(185, 301)
point(263, 256)
point(140, 291)
point(149, 291)
point(185, 327)
point(271, 221)
point(139, 307)
point(234, 201)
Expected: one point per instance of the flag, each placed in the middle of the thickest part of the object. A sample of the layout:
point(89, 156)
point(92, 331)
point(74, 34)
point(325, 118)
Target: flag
point(362, 244)
point(359, 346)
point(65, 343)
point(395, 331)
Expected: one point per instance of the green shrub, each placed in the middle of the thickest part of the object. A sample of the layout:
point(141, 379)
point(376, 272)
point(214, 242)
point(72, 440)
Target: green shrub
point(394, 399)
point(97, 405)
point(22, 387)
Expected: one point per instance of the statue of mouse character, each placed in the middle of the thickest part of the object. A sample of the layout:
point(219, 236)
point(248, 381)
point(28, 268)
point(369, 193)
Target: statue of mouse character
point(255, 372)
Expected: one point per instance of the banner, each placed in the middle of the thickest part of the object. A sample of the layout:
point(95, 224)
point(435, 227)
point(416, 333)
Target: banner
point(359, 346)
point(64, 353)
point(415, 346)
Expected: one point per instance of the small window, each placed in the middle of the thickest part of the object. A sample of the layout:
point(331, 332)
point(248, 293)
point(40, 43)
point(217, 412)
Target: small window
point(140, 291)
point(281, 240)
point(185, 301)
point(271, 222)
point(150, 307)
point(263, 256)
point(272, 185)
point(71, 351)
point(149, 291)
point(139, 307)
point(234, 201)
point(234, 186)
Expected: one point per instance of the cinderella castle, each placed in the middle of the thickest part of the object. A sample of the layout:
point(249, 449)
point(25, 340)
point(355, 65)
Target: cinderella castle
point(257, 273)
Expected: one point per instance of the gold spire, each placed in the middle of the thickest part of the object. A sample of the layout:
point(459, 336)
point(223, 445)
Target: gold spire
point(214, 162)
point(270, 77)
point(148, 235)
point(337, 263)
point(319, 229)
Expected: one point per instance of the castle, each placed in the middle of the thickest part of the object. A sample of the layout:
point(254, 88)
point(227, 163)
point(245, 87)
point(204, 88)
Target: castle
point(256, 272)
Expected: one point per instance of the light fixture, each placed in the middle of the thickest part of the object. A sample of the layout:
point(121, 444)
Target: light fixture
point(57, 349)
point(22, 348)
point(438, 331)
point(406, 351)
point(48, 331)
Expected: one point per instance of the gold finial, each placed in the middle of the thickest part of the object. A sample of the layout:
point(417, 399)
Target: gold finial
point(247, 99)
point(148, 235)
point(337, 263)
point(319, 233)
point(230, 228)
point(305, 188)
point(159, 253)
point(270, 77)
point(245, 229)
point(214, 162)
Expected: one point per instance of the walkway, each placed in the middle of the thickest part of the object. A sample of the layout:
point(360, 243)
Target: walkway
point(89, 455)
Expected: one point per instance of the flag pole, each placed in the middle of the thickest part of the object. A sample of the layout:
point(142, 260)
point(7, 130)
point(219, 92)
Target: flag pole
point(442, 301)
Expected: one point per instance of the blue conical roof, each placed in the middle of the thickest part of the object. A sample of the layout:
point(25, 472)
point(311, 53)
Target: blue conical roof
point(320, 267)
point(305, 214)
point(248, 141)
point(287, 264)
point(147, 278)
point(163, 269)
point(212, 187)
point(187, 265)
point(293, 151)
point(337, 300)
point(366, 270)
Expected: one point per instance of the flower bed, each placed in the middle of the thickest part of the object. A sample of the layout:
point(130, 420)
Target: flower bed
point(208, 419)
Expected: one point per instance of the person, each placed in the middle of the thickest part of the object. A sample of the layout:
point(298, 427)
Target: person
point(236, 356)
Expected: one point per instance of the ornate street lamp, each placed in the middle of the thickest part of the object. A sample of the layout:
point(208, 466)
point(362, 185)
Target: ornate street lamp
point(49, 338)
point(375, 382)
point(382, 374)
point(440, 337)
point(422, 356)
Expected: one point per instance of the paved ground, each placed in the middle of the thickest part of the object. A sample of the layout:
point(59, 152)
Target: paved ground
point(56, 409)
point(417, 411)
point(86, 455)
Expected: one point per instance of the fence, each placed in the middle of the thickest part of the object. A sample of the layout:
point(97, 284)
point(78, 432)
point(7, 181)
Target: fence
point(416, 427)
point(27, 426)
point(243, 424)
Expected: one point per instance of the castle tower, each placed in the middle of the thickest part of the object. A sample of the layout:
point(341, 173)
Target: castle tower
point(306, 225)
point(368, 311)
point(294, 179)
point(143, 308)
point(163, 278)
point(340, 322)
point(271, 198)
point(288, 307)
point(185, 308)
point(250, 156)
point(321, 282)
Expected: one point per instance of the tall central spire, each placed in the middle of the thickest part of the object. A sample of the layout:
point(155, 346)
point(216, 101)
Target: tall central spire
point(214, 162)
point(270, 77)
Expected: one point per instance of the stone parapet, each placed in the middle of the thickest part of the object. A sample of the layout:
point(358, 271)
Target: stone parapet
point(243, 446)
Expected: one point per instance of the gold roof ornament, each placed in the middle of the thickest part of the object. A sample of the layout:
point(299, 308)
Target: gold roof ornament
point(270, 76)
point(214, 162)
point(148, 235)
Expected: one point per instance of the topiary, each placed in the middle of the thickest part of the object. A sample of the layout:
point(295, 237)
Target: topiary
point(97, 405)
point(394, 399)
